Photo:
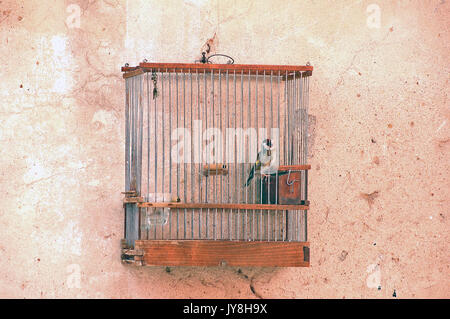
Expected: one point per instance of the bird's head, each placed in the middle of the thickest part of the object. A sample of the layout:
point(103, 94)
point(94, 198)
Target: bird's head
point(267, 144)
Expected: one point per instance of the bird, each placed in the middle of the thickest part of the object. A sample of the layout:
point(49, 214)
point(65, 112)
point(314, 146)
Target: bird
point(265, 161)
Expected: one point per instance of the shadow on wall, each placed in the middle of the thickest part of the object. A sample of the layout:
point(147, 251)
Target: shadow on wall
point(211, 277)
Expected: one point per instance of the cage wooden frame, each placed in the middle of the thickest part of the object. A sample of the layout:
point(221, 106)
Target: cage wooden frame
point(273, 245)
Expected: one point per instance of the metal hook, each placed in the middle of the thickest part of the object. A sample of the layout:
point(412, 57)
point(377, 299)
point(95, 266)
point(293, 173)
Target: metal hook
point(203, 59)
point(230, 61)
point(289, 183)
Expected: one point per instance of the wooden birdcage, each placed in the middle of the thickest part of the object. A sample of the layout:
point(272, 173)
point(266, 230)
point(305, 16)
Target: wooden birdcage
point(194, 136)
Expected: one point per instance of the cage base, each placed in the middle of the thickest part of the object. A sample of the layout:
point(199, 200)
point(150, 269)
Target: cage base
point(222, 253)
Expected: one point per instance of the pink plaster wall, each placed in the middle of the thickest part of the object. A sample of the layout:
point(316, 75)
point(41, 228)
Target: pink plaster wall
point(379, 187)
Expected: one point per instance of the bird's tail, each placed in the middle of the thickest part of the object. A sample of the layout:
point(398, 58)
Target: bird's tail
point(250, 176)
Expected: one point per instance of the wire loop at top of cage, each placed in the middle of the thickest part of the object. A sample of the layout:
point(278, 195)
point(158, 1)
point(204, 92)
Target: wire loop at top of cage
point(253, 69)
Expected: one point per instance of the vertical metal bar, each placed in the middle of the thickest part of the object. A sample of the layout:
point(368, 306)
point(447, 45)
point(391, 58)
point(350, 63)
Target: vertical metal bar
point(292, 152)
point(133, 143)
point(299, 143)
point(141, 129)
point(300, 126)
point(207, 159)
point(178, 160)
point(127, 153)
point(184, 152)
point(221, 153)
point(137, 173)
point(201, 158)
point(285, 113)
point(295, 121)
point(302, 134)
point(278, 156)
point(305, 211)
point(135, 133)
point(192, 156)
point(170, 153)
point(255, 184)
point(306, 153)
point(263, 137)
point(285, 144)
point(148, 138)
point(249, 115)
point(238, 231)
point(163, 173)
point(294, 144)
point(148, 151)
point(127, 134)
point(290, 149)
point(131, 218)
point(269, 214)
point(299, 157)
point(139, 152)
point(300, 153)
point(227, 111)
point(252, 190)
point(214, 186)
point(288, 107)
point(141, 141)
point(236, 192)
point(288, 145)
point(134, 138)
point(139, 125)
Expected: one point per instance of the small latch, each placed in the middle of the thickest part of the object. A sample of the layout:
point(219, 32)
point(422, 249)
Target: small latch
point(306, 253)
point(203, 59)
point(133, 256)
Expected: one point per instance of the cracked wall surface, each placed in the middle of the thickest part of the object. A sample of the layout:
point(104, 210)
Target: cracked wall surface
point(379, 185)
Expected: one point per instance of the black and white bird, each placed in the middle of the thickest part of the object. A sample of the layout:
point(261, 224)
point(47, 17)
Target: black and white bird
point(266, 162)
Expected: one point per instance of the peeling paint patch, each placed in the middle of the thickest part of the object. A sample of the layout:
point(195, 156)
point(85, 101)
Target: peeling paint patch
point(103, 119)
point(61, 60)
point(75, 165)
point(441, 126)
point(197, 3)
point(70, 240)
point(94, 182)
point(370, 198)
point(36, 171)
point(317, 42)
point(343, 255)
point(59, 45)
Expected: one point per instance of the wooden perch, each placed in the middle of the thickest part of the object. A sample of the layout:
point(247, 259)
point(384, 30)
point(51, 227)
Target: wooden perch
point(215, 169)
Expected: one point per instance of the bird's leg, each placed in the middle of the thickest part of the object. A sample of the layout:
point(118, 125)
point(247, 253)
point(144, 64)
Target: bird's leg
point(155, 87)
